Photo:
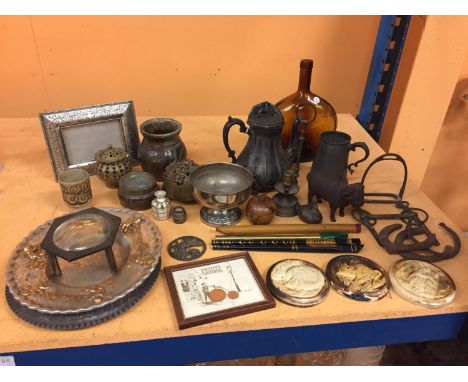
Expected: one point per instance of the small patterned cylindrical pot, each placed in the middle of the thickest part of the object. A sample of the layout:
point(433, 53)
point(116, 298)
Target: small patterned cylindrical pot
point(112, 164)
point(76, 189)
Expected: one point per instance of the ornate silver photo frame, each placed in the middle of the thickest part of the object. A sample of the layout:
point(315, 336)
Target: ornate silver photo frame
point(74, 136)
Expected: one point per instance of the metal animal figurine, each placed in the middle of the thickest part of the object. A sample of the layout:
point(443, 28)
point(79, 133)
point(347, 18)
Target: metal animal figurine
point(338, 194)
point(328, 175)
point(309, 213)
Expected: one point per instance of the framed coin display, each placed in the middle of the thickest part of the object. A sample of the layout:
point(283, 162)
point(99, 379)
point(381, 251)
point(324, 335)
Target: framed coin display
point(215, 289)
point(422, 283)
point(297, 282)
point(357, 277)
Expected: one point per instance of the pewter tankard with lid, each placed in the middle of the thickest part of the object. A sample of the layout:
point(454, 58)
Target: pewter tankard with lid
point(263, 155)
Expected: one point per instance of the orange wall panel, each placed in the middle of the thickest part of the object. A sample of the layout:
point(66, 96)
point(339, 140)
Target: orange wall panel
point(179, 65)
point(445, 181)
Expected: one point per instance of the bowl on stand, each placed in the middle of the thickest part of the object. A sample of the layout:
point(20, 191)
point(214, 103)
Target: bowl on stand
point(220, 188)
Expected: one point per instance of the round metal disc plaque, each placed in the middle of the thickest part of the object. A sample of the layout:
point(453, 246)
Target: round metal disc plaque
point(357, 277)
point(422, 283)
point(297, 282)
point(186, 248)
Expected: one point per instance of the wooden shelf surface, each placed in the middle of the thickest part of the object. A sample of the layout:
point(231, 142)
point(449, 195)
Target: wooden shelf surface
point(29, 196)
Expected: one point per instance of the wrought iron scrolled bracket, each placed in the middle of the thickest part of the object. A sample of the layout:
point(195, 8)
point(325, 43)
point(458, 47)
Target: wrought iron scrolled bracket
point(393, 157)
point(414, 219)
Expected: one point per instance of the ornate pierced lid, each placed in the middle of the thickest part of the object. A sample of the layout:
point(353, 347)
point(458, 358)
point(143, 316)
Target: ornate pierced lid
point(111, 154)
point(265, 115)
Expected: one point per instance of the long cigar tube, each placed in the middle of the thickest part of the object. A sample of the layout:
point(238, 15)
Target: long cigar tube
point(292, 248)
point(332, 235)
point(283, 229)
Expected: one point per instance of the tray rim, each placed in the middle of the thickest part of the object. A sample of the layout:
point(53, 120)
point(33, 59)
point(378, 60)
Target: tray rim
point(11, 283)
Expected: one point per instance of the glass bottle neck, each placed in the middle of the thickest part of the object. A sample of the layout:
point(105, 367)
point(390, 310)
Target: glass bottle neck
point(305, 75)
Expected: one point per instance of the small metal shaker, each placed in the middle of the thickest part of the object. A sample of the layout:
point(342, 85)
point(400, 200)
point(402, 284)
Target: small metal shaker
point(161, 206)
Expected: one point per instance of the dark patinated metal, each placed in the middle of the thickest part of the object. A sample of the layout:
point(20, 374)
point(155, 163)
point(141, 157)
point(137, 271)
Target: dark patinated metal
point(309, 213)
point(285, 201)
point(109, 224)
point(400, 246)
point(136, 190)
point(263, 155)
point(177, 180)
point(111, 164)
point(179, 216)
point(327, 178)
point(430, 254)
point(405, 243)
point(186, 248)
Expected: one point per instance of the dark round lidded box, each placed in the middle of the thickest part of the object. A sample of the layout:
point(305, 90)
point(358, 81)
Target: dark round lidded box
point(136, 190)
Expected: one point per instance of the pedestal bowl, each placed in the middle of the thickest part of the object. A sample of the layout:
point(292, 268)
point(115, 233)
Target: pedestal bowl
point(220, 188)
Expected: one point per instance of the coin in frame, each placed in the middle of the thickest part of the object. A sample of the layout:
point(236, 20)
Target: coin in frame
point(357, 277)
point(422, 283)
point(297, 282)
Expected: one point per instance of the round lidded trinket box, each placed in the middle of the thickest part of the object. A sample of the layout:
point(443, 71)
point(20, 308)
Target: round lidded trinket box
point(112, 164)
point(297, 282)
point(357, 277)
point(136, 190)
point(422, 283)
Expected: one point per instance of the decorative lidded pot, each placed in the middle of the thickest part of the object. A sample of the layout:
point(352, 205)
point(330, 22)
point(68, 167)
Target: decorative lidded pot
point(112, 164)
point(161, 206)
point(177, 180)
point(161, 145)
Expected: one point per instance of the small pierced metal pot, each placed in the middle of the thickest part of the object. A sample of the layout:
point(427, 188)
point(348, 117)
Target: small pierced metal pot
point(112, 164)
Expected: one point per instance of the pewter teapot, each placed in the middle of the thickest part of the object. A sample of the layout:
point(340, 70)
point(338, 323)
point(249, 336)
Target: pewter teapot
point(263, 155)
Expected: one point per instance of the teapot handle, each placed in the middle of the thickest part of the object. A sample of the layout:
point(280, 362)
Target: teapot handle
point(242, 128)
point(352, 147)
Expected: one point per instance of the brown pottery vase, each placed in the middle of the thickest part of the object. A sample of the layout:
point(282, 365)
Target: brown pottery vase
point(161, 145)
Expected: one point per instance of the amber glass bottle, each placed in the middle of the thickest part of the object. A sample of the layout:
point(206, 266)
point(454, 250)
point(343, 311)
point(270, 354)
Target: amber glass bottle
point(308, 106)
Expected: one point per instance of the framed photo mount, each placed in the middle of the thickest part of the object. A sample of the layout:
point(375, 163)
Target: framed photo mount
point(215, 289)
point(74, 136)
